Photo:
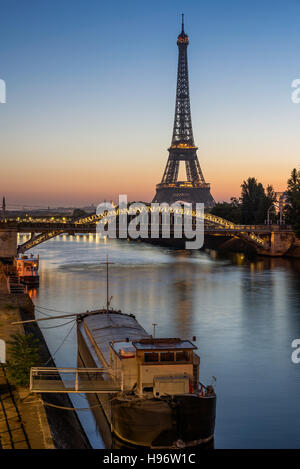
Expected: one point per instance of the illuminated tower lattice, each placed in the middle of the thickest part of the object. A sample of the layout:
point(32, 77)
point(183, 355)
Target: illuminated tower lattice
point(183, 148)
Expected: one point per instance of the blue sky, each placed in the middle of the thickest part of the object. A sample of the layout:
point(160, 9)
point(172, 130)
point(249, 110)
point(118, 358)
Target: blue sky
point(91, 95)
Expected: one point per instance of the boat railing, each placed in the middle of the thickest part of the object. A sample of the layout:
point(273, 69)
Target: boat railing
point(205, 391)
point(75, 380)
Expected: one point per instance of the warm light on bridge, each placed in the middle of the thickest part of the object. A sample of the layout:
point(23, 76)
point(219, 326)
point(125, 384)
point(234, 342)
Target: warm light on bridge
point(62, 225)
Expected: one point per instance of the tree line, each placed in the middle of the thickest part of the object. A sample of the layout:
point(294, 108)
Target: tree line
point(257, 204)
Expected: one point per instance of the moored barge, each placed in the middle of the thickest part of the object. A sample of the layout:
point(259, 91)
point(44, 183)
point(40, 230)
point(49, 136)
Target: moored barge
point(161, 403)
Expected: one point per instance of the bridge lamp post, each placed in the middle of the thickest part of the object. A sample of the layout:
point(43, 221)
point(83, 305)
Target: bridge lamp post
point(280, 213)
point(268, 214)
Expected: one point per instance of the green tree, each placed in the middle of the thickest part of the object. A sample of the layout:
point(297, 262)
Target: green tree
point(229, 210)
point(292, 210)
point(255, 202)
point(270, 203)
point(23, 352)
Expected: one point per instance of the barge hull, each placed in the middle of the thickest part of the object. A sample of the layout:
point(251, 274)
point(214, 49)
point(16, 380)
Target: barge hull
point(166, 422)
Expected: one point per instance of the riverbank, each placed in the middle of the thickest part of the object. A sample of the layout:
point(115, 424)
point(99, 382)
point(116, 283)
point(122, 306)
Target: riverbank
point(67, 432)
point(23, 422)
point(26, 421)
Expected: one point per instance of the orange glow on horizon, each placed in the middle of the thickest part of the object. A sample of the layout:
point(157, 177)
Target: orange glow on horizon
point(76, 179)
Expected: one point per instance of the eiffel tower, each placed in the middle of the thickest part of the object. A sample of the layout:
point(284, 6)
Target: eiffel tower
point(183, 148)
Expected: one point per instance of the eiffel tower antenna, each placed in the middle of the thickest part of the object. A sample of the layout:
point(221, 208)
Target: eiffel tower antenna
point(183, 149)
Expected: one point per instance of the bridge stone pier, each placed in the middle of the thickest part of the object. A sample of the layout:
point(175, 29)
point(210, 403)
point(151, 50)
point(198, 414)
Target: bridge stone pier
point(280, 243)
point(8, 241)
point(276, 241)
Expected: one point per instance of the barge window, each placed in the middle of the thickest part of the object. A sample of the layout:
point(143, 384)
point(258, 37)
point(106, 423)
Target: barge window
point(166, 356)
point(182, 356)
point(151, 357)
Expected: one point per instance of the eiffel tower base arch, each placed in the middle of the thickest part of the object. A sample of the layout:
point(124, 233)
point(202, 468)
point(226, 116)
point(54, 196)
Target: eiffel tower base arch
point(185, 194)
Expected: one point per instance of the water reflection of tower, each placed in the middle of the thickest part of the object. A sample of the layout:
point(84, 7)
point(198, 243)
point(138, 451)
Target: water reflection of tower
point(184, 306)
point(181, 279)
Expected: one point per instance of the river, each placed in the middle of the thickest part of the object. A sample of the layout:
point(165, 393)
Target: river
point(244, 312)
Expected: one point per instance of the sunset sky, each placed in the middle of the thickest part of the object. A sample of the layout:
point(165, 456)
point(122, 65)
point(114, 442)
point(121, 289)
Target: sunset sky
point(91, 95)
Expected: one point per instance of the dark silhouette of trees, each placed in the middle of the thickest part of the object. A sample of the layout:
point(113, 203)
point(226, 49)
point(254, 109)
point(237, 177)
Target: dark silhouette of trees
point(292, 209)
point(78, 212)
point(229, 210)
point(256, 201)
point(252, 207)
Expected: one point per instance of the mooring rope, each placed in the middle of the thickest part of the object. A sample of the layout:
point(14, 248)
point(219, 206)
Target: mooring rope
point(62, 343)
point(70, 408)
point(59, 325)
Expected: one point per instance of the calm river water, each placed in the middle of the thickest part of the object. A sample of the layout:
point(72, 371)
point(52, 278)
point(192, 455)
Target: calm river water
point(244, 312)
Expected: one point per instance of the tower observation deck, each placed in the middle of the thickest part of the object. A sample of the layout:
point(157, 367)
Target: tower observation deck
point(194, 188)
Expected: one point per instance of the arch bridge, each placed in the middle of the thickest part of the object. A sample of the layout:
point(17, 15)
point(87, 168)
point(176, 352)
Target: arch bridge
point(264, 239)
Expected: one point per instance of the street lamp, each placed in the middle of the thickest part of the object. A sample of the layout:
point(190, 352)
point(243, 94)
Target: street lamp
point(278, 205)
